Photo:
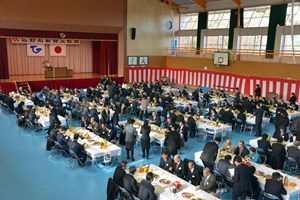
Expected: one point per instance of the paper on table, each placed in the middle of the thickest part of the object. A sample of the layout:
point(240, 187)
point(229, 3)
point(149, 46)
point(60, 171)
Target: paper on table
point(231, 171)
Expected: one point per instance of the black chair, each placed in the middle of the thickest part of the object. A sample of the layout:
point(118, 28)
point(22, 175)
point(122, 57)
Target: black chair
point(74, 157)
point(113, 190)
point(60, 149)
point(292, 165)
point(219, 179)
point(229, 181)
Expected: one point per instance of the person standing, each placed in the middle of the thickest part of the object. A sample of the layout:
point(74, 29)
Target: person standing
point(210, 152)
point(242, 177)
point(258, 120)
point(130, 136)
point(257, 91)
point(145, 139)
point(172, 141)
point(144, 108)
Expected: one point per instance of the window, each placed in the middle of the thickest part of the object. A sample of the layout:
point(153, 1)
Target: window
point(253, 43)
point(288, 42)
point(218, 19)
point(256, 17)
point(296, 14)
point(188, 42)
point(189, 21)
point(217, 42)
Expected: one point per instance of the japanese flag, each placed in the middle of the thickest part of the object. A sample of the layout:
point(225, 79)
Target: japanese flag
point(58, 50)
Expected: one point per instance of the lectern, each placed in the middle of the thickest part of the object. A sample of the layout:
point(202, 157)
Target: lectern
point(58, 72)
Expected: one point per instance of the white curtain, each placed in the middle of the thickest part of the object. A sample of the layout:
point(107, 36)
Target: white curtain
point(79, 58)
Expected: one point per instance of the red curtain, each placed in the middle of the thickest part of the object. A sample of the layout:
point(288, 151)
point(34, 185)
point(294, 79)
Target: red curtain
point(8, 87)
point(3, 59)
point(105, 57)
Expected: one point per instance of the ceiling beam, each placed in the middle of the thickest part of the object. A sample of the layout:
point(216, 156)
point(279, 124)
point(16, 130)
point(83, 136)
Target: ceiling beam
point(201, 3)
point(173, 5)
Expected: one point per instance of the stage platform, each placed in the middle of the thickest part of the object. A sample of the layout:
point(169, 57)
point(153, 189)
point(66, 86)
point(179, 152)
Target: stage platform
point(37, 82)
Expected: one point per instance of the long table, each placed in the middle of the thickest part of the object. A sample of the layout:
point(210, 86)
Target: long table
point(164, 191)
point(291, 114)
point(44, 119)
point(292, 192)
point(92, 144)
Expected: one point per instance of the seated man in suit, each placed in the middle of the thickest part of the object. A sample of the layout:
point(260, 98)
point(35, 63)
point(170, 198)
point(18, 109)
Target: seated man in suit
point(275, 186)
point(224, 165)
point(129, 182)
point(94, 126)
point(283, 134)
point(120, 173)
point(189, 109)
point(208, 183)
point(193, 175)
point(84, 122)
point(103, 131)
point(241, 150)
point(78, 149)
point(166, 162)
point(63, 141)
point(154, 119)
point(294, 151)
point(146, 189)
point(179, 167)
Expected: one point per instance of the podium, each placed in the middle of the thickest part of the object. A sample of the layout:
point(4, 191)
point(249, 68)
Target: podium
point(58, 72)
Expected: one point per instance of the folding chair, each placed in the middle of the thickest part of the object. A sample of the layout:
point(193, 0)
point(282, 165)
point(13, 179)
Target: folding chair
point(270, 196)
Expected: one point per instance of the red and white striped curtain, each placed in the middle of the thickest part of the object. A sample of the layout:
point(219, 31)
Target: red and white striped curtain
point(219, 80)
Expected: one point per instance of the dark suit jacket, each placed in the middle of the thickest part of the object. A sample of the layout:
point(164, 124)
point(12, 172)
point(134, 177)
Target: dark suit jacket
point(184, 130)
point(285, 136)
point(112, 189)
point(179, 170)
point(156, 121)
point(62, 141)
point(195, 177)
point(191, 123)
point(242, 181)
point(294, 152)
point(274, 187)
point(146, 191)
point(105, 117)
point(244, 152)
point(166, 164)
point(77, 148)
point(172, 142)
point(119, 175)
point(53, 115)
point(210, 152)
point(224, 166)
point(259, 115)
point(264, 145)
point(277, 156)
point(102, 133)
point(130, 184)
point(85, 124)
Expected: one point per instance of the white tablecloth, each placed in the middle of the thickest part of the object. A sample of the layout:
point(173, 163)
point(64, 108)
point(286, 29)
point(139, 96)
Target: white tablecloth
point(290, 115)
point(173, 90)
point(184, 103)
point(164, 191)
point(95, 150)
point(45, 121)
point(204, 124)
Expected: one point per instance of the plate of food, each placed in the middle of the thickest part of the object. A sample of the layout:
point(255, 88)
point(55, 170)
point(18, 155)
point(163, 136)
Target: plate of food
point(164, 181)
point(187, 195)
point(259, 173)
point(155, 176)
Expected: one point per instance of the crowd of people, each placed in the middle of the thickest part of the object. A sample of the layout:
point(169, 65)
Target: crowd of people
point(180, 123)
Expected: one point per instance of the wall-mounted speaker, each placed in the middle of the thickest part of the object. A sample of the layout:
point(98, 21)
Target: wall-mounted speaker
point(133, 33)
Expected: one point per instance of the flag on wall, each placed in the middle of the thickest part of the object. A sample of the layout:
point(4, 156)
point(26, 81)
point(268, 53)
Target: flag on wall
point(58, 50)
point(35, 50)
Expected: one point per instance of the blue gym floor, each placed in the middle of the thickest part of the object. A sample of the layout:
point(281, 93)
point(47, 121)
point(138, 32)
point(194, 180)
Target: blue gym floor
point(28, 171)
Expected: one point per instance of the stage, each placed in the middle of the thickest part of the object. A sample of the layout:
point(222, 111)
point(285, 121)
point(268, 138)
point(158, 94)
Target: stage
point(37, 82)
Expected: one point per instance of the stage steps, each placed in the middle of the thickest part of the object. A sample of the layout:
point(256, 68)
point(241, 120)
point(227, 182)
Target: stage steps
point(24, 84)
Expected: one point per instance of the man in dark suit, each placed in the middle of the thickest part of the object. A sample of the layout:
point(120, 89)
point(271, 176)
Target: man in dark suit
point(258, 120)
point(172, 141)
point(189, 109)
point(166, 162)
point(294, 151)
point(146, 189)
point(154, 119)
point(241, 150)
point(277, 155)
point(120, 172)
point(242, 184)
point(103, 131)
point(195, 94)
point(84, 122)
point(257, 91)
point(193, 175)
point(208, 183)
point(264, 144)
point(275, 186)
point(63, 141)
point(179, 167)
point(229, 117)
point(53, 116)
point(283, 134)
point(78, 149)
point(210, 152)
point(183, 131)
point(105, 116)
point(169, 124)
point(192, 125)
point(224, 165)
point(129, 182)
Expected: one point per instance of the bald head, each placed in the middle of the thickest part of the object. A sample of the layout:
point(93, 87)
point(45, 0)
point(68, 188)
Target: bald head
point(176, 158)
point(206, 172)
